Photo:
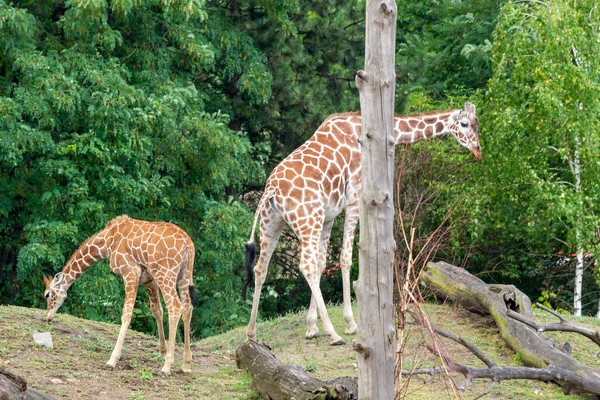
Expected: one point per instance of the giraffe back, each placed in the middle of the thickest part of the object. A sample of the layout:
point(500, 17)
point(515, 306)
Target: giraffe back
point(151, 244)
point(321, 168)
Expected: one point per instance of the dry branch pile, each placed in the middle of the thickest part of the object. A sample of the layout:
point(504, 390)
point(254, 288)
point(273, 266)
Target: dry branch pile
point(511, 310)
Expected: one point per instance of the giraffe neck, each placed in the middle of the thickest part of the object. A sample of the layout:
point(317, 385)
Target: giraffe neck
point(91, 251)
point(412, 128)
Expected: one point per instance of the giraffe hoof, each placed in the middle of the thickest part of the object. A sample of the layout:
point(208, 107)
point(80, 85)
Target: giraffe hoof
point(337, 342)
point(166, 371)
point(351, 330)
point(186, 369)
point(312, 334)
point(110, 365)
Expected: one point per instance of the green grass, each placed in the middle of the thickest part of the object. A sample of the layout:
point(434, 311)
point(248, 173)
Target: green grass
point(82, 347)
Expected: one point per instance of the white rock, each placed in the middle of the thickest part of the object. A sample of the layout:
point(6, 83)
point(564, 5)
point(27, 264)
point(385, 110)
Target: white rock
point(43, 339)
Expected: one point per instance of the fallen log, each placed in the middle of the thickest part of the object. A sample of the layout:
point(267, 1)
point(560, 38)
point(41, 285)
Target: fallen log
point(14, 387)
point(503, 303)
point(274, 380)
point(498, 373)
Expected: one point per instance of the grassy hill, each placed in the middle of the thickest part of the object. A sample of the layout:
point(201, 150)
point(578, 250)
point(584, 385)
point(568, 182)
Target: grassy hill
point(75, 369)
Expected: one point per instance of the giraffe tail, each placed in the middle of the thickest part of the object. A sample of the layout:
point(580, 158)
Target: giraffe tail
point(193, 297)
point(250, 254)
point(191, 257)
point(251, 244)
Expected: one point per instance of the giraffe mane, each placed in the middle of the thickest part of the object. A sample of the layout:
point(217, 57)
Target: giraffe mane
point(421, 115)
point(116, 220)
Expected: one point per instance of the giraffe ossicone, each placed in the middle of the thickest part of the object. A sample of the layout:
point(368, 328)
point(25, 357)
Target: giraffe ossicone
point(158, 255)
point(315, 183)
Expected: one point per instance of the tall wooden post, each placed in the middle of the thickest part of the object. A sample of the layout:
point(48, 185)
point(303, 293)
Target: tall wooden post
point(374, 289)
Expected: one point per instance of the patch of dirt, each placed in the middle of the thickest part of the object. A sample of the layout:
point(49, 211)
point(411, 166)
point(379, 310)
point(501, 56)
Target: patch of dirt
point(75, 368)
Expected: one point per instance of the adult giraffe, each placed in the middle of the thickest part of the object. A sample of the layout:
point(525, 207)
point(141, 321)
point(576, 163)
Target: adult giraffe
point(318, 181)
point(158, 255)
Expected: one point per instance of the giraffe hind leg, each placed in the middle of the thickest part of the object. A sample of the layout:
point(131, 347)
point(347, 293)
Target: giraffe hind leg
point(174, 310)
point(157, 311)
point(271, 227)
point(187, 309)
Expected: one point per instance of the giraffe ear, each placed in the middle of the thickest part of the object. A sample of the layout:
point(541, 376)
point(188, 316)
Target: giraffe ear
point(59, 277)
point(47, 281)
point(470, 108)
point(455, 115)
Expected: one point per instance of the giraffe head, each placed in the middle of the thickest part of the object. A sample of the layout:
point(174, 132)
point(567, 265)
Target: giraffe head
point(56, 293)
point(464, 125)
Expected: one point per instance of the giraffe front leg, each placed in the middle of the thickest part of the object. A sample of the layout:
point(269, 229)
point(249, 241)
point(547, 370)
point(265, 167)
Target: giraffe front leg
point(131, 286)
point(327, 325)
point(157, 311)
point(351, 326)
point(352, 215)
point(311, 319)
point(309, 268)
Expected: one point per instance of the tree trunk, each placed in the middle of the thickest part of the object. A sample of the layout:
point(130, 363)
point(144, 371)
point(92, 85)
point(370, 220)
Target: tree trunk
point(273, 380)
point(536, 349)
point(376, 86)
point(579, 266)
point(14, 387)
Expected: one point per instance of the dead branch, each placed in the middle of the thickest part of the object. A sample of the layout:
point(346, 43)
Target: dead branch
point(563, 326)
point(472, 348)
point(571, 381)
point(503, 303)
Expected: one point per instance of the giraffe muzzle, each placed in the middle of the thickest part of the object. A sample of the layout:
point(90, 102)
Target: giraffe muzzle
point(476, 151)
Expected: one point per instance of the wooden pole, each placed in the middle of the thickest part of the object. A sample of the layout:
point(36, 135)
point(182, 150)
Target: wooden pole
point(374, 289)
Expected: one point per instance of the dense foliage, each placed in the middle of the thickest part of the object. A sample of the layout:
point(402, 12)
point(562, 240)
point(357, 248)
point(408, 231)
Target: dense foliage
point(177, 110)
point(163, 110)
point(108, 109)
point(525, 208)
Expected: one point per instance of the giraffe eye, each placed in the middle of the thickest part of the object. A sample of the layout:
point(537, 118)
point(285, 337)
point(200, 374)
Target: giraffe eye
point(464, 124)
point(47, 295)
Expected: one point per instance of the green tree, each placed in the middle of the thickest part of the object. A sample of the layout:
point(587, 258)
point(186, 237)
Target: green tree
point(444, 47)
point(103, 111)
point(538, 187)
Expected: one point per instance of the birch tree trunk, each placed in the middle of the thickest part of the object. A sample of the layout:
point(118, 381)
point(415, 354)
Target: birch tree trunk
point(579, 266)
point(374, 288)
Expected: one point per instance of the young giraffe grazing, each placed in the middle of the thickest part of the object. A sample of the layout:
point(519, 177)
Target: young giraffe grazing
point(318, 181)
point(158, 255)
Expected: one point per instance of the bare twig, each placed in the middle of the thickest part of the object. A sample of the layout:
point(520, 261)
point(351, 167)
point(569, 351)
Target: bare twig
point(488, 391)
point(472, 348)
point(407, 269)
point(563, 326)
point(569, 379)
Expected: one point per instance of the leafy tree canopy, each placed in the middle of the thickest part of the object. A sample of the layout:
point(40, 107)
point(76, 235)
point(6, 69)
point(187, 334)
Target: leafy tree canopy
point(541, 113)
point(104, 111)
